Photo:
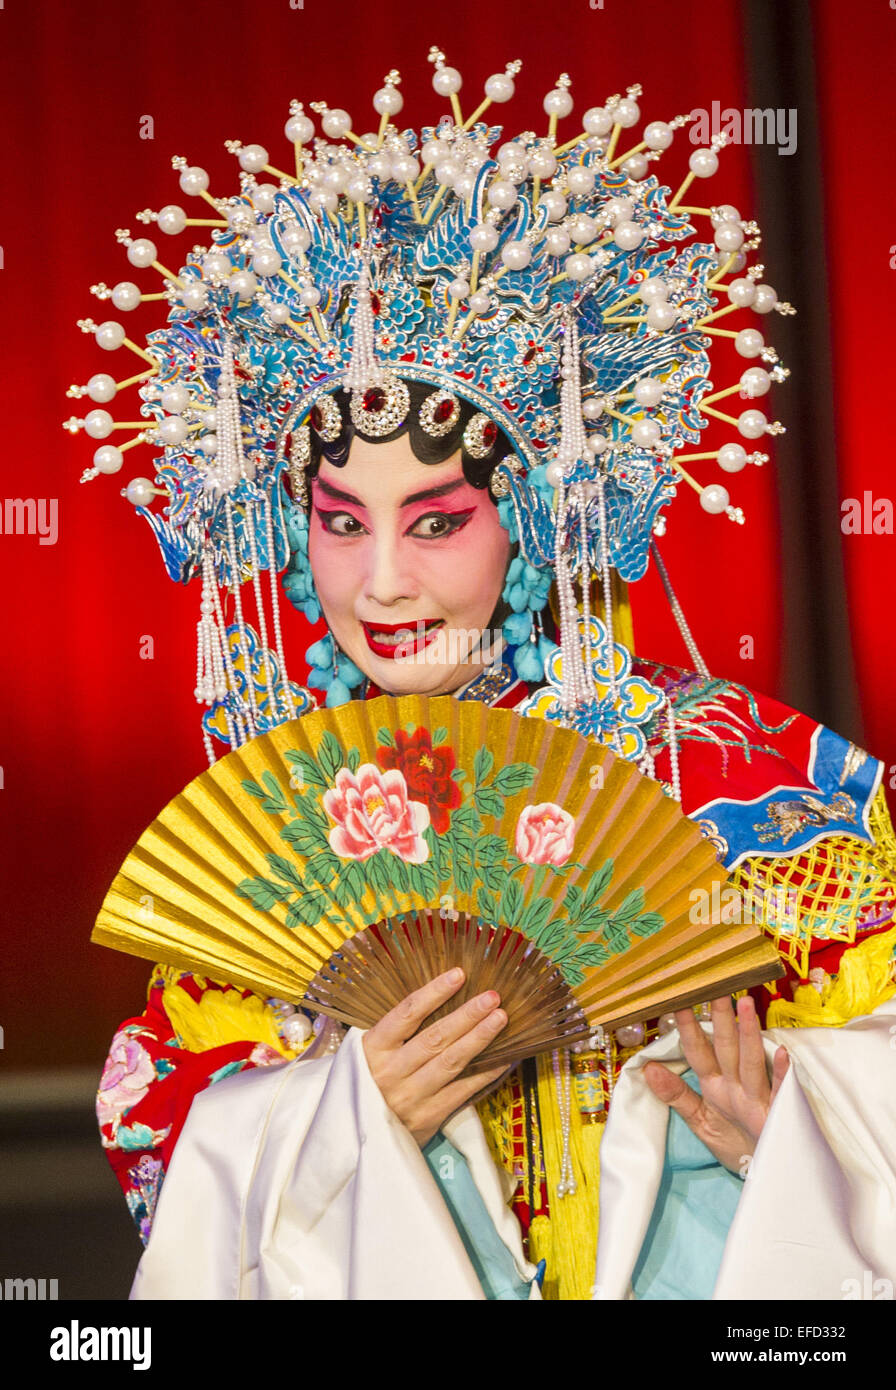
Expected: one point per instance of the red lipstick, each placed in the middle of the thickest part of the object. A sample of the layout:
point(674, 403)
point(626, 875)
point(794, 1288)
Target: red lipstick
point(402, 640)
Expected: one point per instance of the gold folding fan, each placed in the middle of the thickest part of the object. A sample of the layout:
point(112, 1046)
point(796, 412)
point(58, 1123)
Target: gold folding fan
point(346, 857)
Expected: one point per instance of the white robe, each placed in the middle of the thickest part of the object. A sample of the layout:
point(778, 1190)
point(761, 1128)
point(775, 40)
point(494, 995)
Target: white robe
point(818, 1207)
point(299, 1182)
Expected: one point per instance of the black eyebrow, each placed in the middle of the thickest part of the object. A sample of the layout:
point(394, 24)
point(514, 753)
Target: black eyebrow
point(429, 492)
point(335, 493)
point(338, 496)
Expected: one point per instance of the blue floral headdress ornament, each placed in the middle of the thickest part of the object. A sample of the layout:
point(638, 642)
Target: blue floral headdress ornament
point(558, 288)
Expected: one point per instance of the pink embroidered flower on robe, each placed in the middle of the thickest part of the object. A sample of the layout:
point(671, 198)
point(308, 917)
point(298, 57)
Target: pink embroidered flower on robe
point(544, 834)
point(127, 1076)
point(263, 1055)
point(372, 811)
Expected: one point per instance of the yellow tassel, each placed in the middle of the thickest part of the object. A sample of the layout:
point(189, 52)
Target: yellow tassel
point(864, 980)
point(541, 1247)
point(220, 1017)
point(168, 974)
point(573, 1221)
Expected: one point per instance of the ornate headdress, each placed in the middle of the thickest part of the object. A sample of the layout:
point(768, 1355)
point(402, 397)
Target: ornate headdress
point(555, 287)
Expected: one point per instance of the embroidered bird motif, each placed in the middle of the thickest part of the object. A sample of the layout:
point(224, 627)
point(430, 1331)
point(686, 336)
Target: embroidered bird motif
point(788, 818)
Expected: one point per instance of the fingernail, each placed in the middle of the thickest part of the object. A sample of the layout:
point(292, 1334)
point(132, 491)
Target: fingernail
point(497, 1019)
point(454, 976)
point(490, 998)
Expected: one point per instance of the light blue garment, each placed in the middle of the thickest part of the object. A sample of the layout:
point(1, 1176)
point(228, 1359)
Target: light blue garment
point(694, 1208)
point(490, 1257)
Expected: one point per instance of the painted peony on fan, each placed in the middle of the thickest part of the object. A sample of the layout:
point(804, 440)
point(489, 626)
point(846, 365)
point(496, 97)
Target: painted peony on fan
point(346, 857)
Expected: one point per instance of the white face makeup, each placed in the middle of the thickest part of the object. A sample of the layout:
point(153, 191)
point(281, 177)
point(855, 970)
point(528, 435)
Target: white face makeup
point(408, 561)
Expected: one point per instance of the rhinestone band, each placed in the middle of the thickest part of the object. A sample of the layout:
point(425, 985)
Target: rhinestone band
point(326, 418)
point(439, 413)
point(380, 409)
point(480, 436)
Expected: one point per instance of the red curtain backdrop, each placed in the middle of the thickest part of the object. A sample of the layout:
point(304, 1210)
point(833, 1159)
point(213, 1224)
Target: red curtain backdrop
point(96, 738)
point(855, 51)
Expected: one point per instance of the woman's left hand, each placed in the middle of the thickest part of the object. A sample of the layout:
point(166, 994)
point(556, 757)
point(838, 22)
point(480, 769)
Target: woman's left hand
point(730, 1067)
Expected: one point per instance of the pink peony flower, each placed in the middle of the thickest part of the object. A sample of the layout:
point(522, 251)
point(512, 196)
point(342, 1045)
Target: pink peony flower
point(127, 1076)
point(372, 811)
point(545, 834)
point(263, 1055)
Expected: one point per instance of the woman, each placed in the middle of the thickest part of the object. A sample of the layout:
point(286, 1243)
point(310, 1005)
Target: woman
point(486, 364)
point(404, 537)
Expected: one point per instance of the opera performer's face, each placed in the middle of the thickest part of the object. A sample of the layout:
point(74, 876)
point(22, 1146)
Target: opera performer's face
point(408, 561)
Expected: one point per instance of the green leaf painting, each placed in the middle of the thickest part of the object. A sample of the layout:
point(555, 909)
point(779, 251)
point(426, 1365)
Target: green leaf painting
point(466, 819)
point(629, 908)
point(285, 870)
point(313, 882)
point(330, 756)
point(488, 802)
point(591, 954)
point(511, 904)
point(262, 892)
point(647, 923)
point(308, 909)
point(304, 836)
point(598, 885)
point(535, 916)
point(303, 763)
point(491, 849)
point(483, 763)
point(514, 778)
point(572, 900)
point(486, 905)
point(270, 795)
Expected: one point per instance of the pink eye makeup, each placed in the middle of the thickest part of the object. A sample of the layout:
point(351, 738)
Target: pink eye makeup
point(448, 524)
point(340, 523)
point(428, 526)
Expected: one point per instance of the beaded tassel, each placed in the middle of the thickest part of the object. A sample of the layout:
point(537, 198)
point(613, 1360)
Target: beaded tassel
point(235, 465)
point(673, 749)
point(211, 681)
point(570, 658)
point(700, 665)
point(287, 700)
point(209, 663)
point(577, 676)
point(241, 714)
point(363, 369)
point(563, 1087)
point(232, 467)
point(252, 716)
point(586, 595)
point(249, 531)
point(606, 582)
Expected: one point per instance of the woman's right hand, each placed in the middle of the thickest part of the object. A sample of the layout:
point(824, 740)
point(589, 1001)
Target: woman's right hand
point(417, 1072)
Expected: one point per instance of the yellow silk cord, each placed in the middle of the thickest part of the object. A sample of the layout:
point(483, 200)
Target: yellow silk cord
point(864, 980)
point(567, 1240)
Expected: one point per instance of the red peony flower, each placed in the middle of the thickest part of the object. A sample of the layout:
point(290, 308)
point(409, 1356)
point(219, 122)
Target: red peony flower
point(427, 771)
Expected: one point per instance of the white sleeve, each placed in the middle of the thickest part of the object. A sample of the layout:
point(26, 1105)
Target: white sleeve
point(817, 1217)
point(298, 1181)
